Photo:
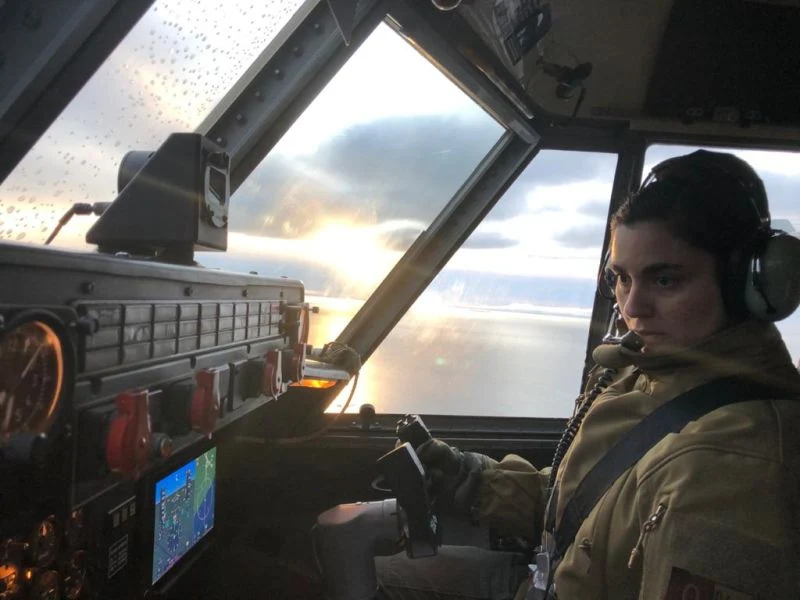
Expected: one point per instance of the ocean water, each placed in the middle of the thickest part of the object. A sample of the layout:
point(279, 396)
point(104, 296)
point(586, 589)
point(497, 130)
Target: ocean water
point(466, 361)
point(521, 361)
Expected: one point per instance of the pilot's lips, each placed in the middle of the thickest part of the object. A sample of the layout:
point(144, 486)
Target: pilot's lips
point(646, 333)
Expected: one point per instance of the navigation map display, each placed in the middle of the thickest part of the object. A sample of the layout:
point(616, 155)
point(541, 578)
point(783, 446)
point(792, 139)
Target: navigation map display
point(184, 510)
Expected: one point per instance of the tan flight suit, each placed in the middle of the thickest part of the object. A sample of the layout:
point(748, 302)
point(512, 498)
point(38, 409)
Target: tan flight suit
point(722, 496)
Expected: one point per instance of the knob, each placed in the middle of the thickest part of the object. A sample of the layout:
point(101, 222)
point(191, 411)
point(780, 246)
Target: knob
point(44, 543)
point(75, 575)
point(367, 414)
point(46, 586)
point(161, 445)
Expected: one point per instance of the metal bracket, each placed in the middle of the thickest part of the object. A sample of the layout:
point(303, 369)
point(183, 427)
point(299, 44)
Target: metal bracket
point(56, 47)
point(282, 81)
point(430, 253)
point(344, 13)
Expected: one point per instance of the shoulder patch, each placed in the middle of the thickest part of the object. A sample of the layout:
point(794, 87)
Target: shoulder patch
point(684, 585)
point(695, 558)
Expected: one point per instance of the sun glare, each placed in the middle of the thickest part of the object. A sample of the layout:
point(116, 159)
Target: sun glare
point(355, 252)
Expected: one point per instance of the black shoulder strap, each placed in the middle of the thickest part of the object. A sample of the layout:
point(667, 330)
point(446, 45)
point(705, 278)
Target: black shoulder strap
point(670, 417)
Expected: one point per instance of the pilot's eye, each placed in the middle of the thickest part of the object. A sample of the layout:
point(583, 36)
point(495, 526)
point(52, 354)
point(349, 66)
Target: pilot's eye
point(664, 281)
point(622, 279)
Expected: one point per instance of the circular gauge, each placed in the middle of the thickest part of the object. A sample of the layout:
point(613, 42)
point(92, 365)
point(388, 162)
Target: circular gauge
point(46, 586)
point(31, 377)
point(43, 546)
point(75, 576)
point(75, 531)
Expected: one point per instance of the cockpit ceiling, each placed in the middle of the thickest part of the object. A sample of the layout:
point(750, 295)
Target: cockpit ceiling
point(725, 67)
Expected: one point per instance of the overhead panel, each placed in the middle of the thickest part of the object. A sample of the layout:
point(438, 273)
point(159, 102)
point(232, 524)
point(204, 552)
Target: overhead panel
point(728, 62)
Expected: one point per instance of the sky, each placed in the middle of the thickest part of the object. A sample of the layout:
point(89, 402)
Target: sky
point(361, 174)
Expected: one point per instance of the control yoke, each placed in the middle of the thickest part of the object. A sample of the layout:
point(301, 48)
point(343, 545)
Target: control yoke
point(347, 537)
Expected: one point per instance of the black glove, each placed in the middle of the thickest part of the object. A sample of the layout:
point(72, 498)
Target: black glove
point(455, 477)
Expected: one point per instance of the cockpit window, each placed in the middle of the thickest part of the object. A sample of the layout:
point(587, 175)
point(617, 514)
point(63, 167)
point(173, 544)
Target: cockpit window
point(357, 178)
point(164, 77)
point(502, 330)
point(780, 172)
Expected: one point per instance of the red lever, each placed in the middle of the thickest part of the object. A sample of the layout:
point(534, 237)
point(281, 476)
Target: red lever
point(128, 441)
point(272, 382)
point(299, 362)
point(303, 326)
point(205, 401)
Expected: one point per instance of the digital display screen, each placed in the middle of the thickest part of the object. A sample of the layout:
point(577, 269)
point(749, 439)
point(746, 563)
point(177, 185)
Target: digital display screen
point(184, 510)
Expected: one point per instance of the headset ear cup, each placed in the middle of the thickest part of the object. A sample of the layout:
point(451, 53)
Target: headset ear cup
point(772, 281)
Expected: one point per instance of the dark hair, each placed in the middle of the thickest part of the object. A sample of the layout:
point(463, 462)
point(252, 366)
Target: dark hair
point(716, 202)
point(711, 200)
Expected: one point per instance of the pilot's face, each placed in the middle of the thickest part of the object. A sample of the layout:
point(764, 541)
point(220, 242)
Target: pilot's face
point(667, 289)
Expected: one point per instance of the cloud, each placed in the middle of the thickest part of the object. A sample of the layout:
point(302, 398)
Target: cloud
point(597, 210)
point(393, 168)
point(582, 236)
point(404, 168)
point(399, 239)
point(484, 240)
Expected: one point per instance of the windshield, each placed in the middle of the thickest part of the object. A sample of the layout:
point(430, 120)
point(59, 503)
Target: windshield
point(363, 171)
point(165, 76)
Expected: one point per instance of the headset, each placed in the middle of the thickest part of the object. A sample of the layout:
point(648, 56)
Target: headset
point(762, 279)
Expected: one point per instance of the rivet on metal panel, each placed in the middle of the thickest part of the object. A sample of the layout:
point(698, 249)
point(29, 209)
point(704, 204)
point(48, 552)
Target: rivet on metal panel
point(297, 51)
point(220, 140)
point(258, 95)
point(317, 27)
point(278, 73)
point(240, 118)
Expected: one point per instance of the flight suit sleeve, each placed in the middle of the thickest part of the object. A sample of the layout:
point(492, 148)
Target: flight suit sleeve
point(512, 497)
point(512, 494)
point(705, 535)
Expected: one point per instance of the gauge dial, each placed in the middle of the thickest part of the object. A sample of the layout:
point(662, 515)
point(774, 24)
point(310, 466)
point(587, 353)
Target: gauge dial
point(31, 376)
point(46, 586)
point(75, 576)
point(74, 532)
point(44, 544)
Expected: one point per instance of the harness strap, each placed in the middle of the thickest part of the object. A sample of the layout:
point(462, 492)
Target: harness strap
point(670, 417)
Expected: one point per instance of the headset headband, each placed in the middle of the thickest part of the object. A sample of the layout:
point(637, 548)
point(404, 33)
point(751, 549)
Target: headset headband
point(723, 167)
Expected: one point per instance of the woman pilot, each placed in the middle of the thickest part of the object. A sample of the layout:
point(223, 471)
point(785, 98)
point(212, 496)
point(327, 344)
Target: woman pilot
point(706, 509)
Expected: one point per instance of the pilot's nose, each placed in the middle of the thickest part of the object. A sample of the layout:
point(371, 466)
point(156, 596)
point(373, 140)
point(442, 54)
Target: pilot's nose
point(636, 303)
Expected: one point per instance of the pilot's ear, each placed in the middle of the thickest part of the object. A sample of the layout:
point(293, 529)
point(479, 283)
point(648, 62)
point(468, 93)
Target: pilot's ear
point(772, 277)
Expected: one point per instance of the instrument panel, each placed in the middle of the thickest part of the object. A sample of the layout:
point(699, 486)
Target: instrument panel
point(118, 380)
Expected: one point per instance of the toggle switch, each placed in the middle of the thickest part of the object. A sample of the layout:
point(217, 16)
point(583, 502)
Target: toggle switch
point(128, 442)
point(205, 400)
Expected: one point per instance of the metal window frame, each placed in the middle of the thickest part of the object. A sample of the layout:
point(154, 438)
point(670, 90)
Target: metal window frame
point(53, 59)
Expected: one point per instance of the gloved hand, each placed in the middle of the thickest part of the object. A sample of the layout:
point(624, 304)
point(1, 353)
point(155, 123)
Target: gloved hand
point(455, 476)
